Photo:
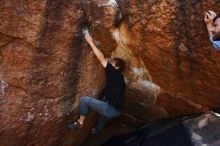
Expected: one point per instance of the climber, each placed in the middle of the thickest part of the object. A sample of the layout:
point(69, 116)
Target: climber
point(213, 26)
point(114, 91)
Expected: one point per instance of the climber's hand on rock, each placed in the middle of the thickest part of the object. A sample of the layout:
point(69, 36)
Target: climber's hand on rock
point(209, 16)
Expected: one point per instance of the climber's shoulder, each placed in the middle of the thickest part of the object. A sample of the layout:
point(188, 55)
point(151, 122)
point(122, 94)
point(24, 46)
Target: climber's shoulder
point(104, 62)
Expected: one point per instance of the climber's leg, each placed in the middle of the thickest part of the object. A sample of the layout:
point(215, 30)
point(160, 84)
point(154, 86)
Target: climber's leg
point(101, 123)
point(101, 107)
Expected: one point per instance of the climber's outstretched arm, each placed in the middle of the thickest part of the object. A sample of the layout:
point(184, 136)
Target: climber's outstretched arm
point(208, 18)
point(97, 52)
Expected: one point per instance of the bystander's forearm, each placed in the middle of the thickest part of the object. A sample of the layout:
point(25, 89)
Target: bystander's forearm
point(209, 28)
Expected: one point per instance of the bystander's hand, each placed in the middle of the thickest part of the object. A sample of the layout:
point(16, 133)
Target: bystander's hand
point(209, 16)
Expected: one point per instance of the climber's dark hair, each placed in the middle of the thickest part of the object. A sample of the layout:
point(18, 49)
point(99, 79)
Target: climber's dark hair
point(118, 19)
point(216, 17)
point(119, 63)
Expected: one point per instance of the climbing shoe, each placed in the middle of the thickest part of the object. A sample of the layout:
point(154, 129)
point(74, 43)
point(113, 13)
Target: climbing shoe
point(75, 125)
point(93, 131)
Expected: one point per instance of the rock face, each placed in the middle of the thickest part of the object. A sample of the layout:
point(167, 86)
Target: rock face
point(46, 65)
point(45, 68)
point(204, 130)
point(170, 38)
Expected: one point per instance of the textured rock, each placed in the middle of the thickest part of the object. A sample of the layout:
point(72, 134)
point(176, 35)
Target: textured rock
point(204, 130)
point(195, 130)
point(46, 66)
point(171, 39)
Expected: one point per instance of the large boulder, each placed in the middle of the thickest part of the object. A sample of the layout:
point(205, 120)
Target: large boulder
point(46, 67)
point(196, 130)
point(171, 41)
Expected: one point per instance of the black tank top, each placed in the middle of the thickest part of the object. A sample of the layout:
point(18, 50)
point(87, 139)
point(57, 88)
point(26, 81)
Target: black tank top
point(115, 87)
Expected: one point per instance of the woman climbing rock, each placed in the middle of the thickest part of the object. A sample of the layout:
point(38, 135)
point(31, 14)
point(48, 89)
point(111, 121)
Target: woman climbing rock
point(114, 91)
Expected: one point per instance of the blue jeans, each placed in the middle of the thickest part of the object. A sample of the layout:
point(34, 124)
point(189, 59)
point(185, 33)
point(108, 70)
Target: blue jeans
point(103, 108)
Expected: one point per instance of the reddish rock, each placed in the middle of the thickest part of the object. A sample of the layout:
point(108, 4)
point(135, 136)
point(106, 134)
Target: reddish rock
point(46, 67)
point(174, 46)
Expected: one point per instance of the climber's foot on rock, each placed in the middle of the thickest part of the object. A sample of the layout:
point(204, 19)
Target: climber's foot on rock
point(75, 125)
point(93, 131)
